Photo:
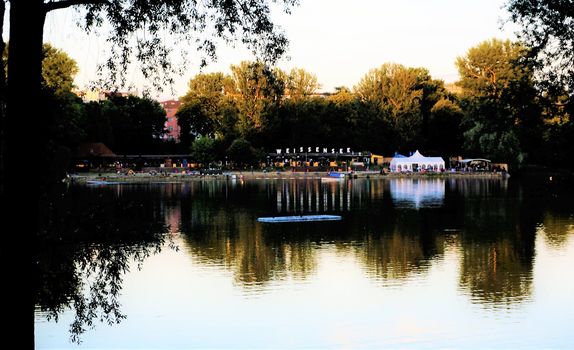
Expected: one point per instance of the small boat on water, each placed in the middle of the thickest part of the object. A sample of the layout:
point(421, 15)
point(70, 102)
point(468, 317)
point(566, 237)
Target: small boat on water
point(337, 175)
point(299, 218)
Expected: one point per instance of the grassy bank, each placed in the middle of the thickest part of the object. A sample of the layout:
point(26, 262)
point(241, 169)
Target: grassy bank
point(260, 175)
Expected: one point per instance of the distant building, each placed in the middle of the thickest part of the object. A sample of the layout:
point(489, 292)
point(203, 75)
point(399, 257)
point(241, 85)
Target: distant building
point(90, 95)
point(100, 95)
point(94, 149)
point(171, 126)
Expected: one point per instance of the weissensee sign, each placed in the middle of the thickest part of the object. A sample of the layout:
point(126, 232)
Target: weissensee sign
point(295, 150)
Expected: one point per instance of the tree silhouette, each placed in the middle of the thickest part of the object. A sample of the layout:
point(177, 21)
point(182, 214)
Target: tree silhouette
point(87, 247)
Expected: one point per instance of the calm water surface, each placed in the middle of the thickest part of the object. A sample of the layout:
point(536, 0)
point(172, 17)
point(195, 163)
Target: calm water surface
point(458, 263)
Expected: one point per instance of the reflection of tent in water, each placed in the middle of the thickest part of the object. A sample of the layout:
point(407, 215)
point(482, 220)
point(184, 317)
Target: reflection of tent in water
point(416, 162)
point(417, 193)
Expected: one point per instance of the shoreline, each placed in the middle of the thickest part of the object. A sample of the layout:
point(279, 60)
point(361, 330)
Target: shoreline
point(84, 178)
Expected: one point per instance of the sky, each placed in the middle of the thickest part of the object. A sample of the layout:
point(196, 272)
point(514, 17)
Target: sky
point(337, 40)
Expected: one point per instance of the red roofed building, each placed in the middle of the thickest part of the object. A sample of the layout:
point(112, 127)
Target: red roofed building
point(171, 125)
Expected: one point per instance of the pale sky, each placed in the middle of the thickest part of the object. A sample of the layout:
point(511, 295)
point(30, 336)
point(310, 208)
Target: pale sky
point(337, 40)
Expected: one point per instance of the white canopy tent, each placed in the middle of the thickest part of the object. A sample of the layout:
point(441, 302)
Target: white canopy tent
point(417, 162)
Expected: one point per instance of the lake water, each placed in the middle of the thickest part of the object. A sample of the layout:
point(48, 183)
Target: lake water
point(414, 263)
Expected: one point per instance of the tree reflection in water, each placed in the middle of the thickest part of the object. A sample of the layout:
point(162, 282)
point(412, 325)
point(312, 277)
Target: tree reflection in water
point(224, 231)
point(497, 242)
point(95, 233)
point(495, 232)
point(87, 242)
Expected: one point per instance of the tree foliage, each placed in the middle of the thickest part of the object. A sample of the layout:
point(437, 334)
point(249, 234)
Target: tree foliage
point(270, 108)
point(203, 110)
point(87, 247)
point(137, 31)
point(258, 92)
point(130, 125)
point(193, 121)
point(445, 134)
point(400, 98)
point(300, 84)
point(499, 99)
point(548, 29)
point(203, 150)
point(242, 153)
point(495, 69)
point(58, 69)
point(63, 112)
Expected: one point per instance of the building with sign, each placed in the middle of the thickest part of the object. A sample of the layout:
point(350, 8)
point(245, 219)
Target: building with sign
point(319, 158)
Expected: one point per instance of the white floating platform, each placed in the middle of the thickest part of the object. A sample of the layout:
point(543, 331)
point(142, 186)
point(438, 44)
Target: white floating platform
point(98, 182)
point(300, 218)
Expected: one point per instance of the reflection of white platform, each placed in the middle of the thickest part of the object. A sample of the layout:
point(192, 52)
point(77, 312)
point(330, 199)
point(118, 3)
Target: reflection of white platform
point(417, 193)
point(332, 179)
point(299, 218)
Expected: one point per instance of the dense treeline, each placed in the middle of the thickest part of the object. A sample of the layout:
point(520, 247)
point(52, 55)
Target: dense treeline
point(494, 111)
point(126, 124)
point(393, 108)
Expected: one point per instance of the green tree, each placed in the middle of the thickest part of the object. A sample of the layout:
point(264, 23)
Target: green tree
point(445, 136)
point(498, 99)
point(342, 123)
point(433, 91)
point(68, 121)
point(97, 124)
point(204, 109)
point(136, 123)
point(258, 93)
point(547, 28)
point(193, 122)
point(242, 153)
point(63, 111)
point(395, 94)
point(300, 122)
point(494, 69)
point(558, 131)
point(58, 69)
point(209, 85)
point(300, 84)
point(203, 149)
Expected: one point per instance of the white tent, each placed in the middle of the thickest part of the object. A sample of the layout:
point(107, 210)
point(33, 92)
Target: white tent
point(417, 162)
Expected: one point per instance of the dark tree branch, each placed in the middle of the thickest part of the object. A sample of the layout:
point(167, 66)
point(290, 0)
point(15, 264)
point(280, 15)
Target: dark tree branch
point(56, 5)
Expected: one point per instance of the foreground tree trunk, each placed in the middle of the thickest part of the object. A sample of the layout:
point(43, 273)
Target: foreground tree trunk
point(24, 152)
point(2, 96)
